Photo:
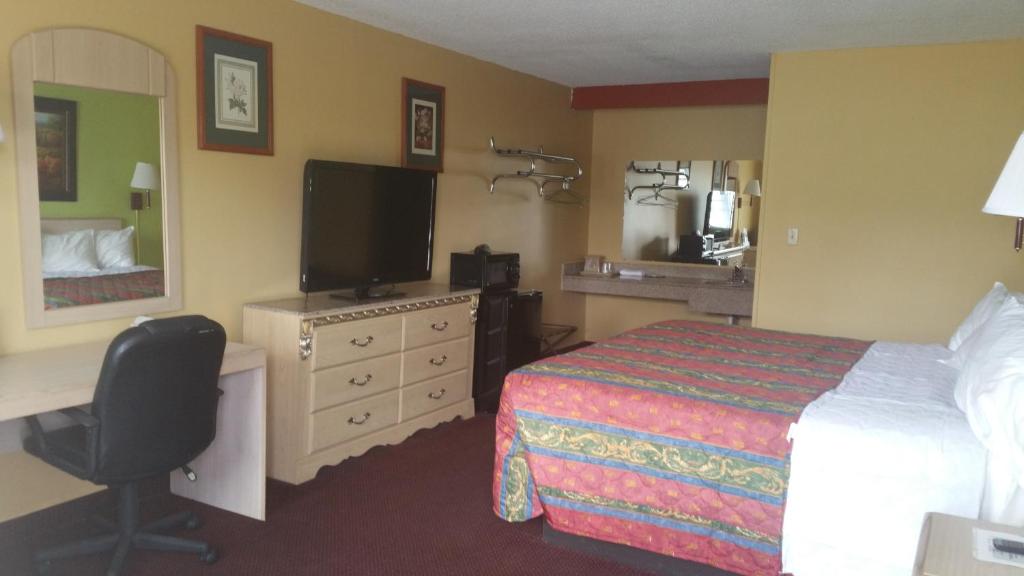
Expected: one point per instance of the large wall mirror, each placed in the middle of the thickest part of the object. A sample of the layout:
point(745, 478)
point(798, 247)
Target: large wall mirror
point(95, 124)
point(686, 210)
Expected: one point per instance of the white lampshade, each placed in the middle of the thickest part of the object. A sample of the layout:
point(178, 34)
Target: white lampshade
point(753, 188)
point(146, 177)
point(1007, 198)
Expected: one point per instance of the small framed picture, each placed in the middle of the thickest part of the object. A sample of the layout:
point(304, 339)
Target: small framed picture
point(422, 125)
point(57, 149)
point(234, 85)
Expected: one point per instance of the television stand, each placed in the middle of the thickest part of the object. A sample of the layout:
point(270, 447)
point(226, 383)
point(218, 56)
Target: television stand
point(364, 294)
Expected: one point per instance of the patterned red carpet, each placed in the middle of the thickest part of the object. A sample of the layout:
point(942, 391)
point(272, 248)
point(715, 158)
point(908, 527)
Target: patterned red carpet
point(422, 507)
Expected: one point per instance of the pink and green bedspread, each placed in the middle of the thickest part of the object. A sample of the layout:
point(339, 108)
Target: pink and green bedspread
point(64, 292)
point(670, 438)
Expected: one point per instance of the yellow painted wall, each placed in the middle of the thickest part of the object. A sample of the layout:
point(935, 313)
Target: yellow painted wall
point(337, 90)
point(704, 133)
point(883, 158)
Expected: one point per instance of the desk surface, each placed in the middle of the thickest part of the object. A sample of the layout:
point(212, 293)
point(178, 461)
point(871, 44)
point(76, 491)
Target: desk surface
point(55, 378)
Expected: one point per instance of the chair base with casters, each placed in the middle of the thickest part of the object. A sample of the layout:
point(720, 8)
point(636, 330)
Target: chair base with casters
point(64, 448)
point(154, 410)
point(127, 534)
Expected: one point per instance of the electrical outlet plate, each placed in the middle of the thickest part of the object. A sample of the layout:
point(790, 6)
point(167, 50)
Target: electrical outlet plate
point(793, 236)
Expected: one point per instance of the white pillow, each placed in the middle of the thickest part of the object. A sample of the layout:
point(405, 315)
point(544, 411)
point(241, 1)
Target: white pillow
point(114, 248)
point(990, 387)
point(70, 252)
point(981, 312)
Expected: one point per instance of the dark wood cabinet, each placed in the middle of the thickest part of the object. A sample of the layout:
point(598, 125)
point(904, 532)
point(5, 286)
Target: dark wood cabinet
point(507, 337)
point(491, 351)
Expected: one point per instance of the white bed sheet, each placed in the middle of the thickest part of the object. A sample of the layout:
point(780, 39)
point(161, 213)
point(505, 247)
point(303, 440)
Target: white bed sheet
point(871, 458)
point(103, 272)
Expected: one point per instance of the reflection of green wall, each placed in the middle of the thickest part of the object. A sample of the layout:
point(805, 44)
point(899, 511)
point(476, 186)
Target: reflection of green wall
point(115, 130)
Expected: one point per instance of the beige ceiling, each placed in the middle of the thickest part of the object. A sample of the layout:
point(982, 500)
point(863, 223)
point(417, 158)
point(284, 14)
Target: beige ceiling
point(596, 42)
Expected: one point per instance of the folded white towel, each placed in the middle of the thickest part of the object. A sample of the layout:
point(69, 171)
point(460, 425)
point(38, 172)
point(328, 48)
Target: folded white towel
point(626, 273)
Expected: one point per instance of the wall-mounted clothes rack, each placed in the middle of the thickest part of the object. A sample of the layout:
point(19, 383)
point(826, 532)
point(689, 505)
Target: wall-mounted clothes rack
point(681, 174)
point(551, 187)
point(656, 198)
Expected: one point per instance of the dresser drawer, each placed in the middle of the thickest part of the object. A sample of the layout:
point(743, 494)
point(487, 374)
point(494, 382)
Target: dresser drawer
point(353, 381)
point(351, 341)
point(433, 361)
point(352, 420)
point(434, 394)
point(436, 325)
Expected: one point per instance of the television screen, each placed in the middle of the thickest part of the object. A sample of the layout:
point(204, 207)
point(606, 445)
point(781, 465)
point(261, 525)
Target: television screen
point(719, 213)
point(365, 225)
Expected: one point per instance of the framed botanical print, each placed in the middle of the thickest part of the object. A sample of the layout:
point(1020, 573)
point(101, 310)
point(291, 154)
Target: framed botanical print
point(422, 125)
point(57, 149)
point(234, 85)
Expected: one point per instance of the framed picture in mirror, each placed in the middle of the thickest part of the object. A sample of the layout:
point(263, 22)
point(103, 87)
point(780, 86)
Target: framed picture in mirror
point(57, 149)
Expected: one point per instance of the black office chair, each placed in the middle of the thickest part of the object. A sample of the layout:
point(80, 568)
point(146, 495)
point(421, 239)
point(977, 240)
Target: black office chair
point(154, 410)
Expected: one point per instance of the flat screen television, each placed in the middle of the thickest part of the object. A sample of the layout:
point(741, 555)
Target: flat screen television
point(365, 226)
point(718, 214)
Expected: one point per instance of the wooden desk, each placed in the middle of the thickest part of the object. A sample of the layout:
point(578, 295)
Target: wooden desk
point(232, 471)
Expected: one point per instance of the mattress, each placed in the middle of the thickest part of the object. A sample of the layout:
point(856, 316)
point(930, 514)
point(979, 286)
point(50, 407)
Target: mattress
point(98, 289)
point(670, 438)
point(871, 458)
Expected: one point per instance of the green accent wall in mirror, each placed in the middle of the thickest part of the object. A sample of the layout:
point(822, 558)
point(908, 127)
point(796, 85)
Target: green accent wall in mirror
point(115, 130)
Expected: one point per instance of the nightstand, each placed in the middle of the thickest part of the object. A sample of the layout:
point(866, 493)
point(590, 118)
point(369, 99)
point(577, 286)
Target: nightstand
point(946, 544)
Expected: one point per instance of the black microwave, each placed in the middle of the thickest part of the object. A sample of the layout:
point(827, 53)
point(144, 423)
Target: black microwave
point(485, 270)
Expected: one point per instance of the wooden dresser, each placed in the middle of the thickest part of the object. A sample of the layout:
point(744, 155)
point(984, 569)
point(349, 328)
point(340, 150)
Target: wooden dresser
point(343, 377)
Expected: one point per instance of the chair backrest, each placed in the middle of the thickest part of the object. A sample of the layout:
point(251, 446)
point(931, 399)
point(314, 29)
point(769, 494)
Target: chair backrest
point(156, 399)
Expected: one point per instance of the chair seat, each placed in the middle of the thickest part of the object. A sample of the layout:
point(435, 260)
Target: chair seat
point(65, 448)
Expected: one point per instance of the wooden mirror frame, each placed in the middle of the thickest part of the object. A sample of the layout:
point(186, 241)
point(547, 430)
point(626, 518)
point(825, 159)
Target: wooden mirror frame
point(107, 61)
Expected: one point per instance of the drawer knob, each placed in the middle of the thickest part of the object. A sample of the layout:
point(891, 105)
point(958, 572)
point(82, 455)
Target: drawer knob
point(361, 421)
point(436, 362)
point(362, 382)
point(439, 326)
point(437, 395)
point(361, 343)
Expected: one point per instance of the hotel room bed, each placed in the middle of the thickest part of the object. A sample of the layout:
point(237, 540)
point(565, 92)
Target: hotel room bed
point(107, 286)
point(872, 457)
point(673, 438)
point(122, 279)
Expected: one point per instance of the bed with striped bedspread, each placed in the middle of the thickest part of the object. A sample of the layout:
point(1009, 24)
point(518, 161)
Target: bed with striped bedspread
point(670, 438)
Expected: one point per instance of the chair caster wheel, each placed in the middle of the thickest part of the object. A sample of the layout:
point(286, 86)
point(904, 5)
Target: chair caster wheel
point(193, 522)
point(209, 557)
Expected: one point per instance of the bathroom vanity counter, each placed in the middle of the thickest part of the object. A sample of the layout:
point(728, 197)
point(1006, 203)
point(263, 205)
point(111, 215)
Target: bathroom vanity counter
point(708, 289)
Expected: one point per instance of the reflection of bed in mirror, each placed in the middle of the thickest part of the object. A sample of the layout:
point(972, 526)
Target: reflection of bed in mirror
point(93, 262)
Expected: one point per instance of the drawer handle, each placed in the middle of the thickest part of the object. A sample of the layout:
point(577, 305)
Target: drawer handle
point(363, 382)
point(437, 395)
point(436, 362)
point(361, 421)
point(439, 326)
point(361, 343)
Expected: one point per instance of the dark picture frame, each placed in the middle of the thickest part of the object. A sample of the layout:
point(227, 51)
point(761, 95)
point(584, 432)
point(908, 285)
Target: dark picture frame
point(423, 115)
point(57, 149)
point(234, 92)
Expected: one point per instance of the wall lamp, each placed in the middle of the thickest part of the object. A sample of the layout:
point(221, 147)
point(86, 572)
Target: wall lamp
point(1007, 198)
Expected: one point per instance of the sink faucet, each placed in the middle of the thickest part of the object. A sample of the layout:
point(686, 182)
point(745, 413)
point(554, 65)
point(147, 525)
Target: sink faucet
point(737, 275)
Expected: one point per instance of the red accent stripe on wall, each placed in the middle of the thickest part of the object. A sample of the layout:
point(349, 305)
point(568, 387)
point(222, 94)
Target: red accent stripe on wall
point(701, 93)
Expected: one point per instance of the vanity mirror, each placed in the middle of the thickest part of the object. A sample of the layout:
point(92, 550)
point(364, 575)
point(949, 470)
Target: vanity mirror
point(667, 200)
point(96, 142)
